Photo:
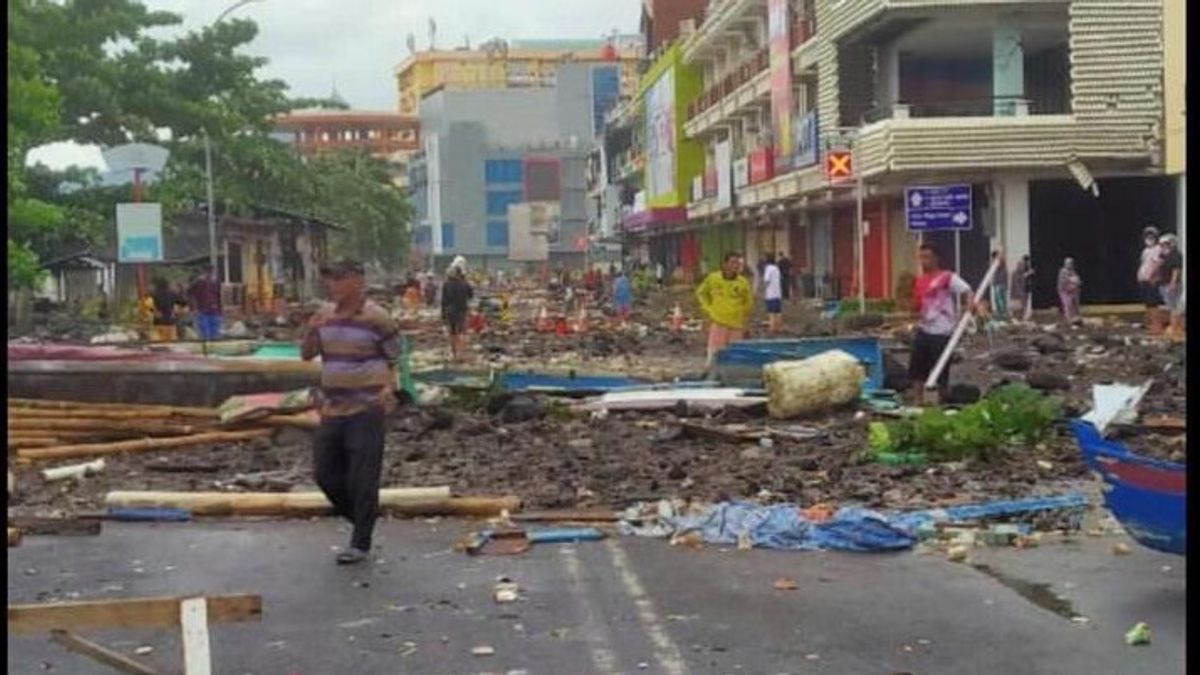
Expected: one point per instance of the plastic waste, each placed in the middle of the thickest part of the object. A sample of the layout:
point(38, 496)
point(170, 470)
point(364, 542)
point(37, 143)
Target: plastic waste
point(820, 382)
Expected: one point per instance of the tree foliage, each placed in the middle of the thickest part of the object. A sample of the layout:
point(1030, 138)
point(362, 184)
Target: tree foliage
point(90, 71)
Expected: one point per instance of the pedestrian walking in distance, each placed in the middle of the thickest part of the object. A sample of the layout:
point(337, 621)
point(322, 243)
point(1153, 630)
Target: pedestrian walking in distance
point(934, 295)
point(622, 296)
point(1022, 290)
point(358, 343)
point(1069, 287)
point(727, 300)
point(1149, 271)
point(204, 296)
point(456, 301)
point(773, 293)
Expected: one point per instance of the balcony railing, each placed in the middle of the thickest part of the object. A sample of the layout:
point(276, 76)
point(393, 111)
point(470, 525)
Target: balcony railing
point(803, 29)
point(995, 106)
point(736, 77)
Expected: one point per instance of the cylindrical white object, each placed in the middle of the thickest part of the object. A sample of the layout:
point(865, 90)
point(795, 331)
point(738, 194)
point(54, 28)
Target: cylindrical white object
point(74, 470)
point(820, 382)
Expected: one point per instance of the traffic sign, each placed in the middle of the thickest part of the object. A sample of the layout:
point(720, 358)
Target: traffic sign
point(839, 165)
point(930, 208)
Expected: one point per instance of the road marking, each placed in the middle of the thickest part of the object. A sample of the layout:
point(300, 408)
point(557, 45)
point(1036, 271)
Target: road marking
point(665, 649)
point(596, 632)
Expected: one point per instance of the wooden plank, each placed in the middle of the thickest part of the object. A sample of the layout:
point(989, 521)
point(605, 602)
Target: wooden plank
point(150, 427)
point(101, 654)
point(193, 615)
point(131, 613)
point(14, 536)
point(567, 516)
point(142, 445)
point(269, 503)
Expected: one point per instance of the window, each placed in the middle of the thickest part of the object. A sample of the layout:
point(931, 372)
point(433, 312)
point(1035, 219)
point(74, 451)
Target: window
point(447, 235)
point(497, 233)
point(502, 171)
point(497, 202)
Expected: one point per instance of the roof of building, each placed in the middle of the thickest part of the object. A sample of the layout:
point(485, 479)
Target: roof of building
point(596, 53)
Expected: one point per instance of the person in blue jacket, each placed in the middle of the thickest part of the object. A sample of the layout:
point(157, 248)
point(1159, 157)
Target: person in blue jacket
point(622, 295)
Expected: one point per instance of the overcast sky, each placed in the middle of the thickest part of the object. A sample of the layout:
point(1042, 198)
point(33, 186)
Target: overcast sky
point(312, 43)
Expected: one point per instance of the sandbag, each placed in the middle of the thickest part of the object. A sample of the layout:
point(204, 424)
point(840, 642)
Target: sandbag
point(819, 382)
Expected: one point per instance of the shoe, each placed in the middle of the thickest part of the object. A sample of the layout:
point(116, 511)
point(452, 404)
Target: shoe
point(351, 556)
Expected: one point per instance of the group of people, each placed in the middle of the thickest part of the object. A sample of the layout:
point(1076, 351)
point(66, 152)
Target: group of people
point(1160, 278)
point(169, 308)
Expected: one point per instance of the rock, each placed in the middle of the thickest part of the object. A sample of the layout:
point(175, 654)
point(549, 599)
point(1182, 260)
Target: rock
point(1047, 381)
point(1121, 548)
point(521, 409)
point(895, 375)
point(1050, 344)
point(962, 394)
point(1012, 359)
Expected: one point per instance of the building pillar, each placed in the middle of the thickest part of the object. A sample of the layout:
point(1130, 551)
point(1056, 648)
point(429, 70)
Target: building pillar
point(1012, 218)
point(1008, 68)
point(1181, 220)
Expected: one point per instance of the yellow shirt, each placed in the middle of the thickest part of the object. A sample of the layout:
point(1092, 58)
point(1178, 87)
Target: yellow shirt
point(727, 302)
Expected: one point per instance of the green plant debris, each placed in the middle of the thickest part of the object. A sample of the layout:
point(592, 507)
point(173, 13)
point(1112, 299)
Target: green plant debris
point(1012, 415)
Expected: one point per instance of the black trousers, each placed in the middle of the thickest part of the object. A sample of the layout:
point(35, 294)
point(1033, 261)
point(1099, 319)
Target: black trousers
point(347, 462)
point(926, 349)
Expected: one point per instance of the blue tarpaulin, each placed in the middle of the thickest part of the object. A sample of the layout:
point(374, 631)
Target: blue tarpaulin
point(785, 527)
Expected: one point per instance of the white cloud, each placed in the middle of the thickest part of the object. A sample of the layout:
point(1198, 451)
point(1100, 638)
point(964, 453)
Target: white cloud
point(64, 154)
point(310, 43)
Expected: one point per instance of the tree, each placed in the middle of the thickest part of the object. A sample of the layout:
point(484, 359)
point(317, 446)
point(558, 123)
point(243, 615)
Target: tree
point(355, 190)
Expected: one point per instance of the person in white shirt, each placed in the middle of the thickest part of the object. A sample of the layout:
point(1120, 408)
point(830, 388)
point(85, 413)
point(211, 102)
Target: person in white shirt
point(934, 297)
point(772, 282)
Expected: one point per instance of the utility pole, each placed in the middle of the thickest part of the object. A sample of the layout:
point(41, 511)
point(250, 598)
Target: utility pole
point(212, 214)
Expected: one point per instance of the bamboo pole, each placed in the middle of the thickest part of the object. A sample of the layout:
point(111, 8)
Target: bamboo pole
point(301, 421)
point(21, 442)
point(71, 413)
point(43, 424)
point(44, 404)
point(401, 501)
point(141, 445)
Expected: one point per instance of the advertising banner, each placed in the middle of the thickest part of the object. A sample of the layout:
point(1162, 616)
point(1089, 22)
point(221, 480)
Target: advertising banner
point(139, 233)
point(660, 136)
point(781, 83)
point(724, 157)
point(806, 141)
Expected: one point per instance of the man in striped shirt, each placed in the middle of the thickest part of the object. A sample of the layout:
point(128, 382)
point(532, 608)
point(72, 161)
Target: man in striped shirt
point(358, 343)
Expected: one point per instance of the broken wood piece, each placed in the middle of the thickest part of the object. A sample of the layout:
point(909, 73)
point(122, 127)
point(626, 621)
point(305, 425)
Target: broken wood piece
point(181, 411)
point(100, 654)
point(183, 467)
point(193, 618)
point(21, 442)
point(103, 426)
point(129, 613)
point(435, 501)
point(1163, 423)
point(56, 526)
point(567, 516)
point(141, 445)
point(99, 413)
point(14, 536)
point(300, 421)
point(74, 470)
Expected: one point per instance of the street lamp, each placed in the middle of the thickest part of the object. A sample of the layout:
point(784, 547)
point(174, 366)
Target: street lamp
point(208, 175)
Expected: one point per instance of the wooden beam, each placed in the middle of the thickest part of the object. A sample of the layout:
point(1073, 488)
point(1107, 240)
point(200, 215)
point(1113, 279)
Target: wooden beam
point(269, 503)
point(56, 526)
point(193, 615)
point(121, 614)
point(142, 445)
point(104, 655)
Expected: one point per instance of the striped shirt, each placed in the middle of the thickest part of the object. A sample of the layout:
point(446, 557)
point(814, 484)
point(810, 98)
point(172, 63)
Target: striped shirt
point(357, 357)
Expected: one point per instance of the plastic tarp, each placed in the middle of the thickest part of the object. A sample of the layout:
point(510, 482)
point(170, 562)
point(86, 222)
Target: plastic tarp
point(785, 527)
point(1115, 403)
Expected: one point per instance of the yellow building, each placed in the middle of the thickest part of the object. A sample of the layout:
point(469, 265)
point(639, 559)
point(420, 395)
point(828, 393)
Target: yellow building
point(498, 65)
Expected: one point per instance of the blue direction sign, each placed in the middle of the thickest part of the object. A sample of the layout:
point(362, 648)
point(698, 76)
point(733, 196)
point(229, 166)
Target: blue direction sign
point(938, 207)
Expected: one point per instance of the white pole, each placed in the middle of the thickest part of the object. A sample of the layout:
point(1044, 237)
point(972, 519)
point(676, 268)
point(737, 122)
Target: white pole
point(212, 217)
point(931, 381)
point(957, 263)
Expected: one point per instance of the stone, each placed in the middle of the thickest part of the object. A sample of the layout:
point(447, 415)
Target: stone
point(1012, 359)
point(962, 394)
point(1047, 381)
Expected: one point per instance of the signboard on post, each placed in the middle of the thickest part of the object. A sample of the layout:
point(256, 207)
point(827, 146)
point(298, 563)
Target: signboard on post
point(780, 54)
point(931, 208)
point(139, 233)
point(839, 165)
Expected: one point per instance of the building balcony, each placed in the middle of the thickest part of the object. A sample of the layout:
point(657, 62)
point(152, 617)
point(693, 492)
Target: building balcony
point(755, 92)
point(722, 17)
point(743, 73)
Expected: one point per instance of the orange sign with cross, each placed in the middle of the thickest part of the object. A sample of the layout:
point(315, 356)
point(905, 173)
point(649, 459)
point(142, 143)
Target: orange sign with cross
point(839, 165)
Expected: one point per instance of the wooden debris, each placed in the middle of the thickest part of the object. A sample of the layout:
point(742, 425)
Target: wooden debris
point(100, 654)
point(567, 516)
point(124, 614)
point(14, 536)
point(142, 445)
point(434, 501)
point(182, 411)
point(101, 425)
point(193, 618)
point(73, 470)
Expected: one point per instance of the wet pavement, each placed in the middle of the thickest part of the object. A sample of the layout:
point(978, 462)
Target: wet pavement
point(619, 606)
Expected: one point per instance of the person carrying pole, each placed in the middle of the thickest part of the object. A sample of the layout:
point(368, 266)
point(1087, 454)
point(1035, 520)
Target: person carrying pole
point(934, 294)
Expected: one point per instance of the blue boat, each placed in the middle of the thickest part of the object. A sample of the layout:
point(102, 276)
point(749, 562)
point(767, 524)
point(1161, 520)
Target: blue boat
point(1147, 496)
point(740, 364)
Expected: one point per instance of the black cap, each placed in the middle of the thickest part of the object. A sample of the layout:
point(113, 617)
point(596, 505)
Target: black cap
point(341, 268)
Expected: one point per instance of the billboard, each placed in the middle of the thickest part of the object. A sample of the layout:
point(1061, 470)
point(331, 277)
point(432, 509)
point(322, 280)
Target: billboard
point(139, 233)
point(781, 83)
point(724, 157)
point(660, 136)
point(806, 141)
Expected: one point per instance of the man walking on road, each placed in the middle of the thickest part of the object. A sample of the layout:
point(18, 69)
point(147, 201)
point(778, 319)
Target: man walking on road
point(456, 304)
point(726, 299)
point(773, 293)
point(204, 296)
point(358, 343)
point(934, 296)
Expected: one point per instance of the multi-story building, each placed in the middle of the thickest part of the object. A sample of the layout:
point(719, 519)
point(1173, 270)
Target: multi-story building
point(501, 180)
point(1064, 117)
point(519, 64)
point(662, 20)
point(386, 135)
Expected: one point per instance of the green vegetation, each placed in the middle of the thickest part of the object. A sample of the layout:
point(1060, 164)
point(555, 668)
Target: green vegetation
point(1012, 415)
point(94, 71)
point(879, 306)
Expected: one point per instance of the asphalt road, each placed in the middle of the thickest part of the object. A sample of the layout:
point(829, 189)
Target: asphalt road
point(619, 606)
